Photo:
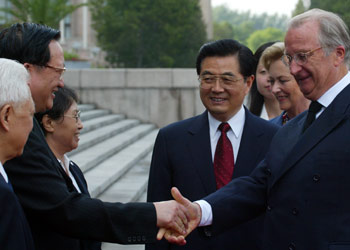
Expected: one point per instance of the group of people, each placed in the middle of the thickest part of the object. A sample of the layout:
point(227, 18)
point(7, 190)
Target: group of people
point(246, 182)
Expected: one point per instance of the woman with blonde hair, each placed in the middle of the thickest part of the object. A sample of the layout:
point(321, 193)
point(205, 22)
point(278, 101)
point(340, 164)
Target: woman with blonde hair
point(284, 86)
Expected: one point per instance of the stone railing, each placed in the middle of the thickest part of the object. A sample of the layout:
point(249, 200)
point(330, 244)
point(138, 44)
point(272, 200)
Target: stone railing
point(159, 96)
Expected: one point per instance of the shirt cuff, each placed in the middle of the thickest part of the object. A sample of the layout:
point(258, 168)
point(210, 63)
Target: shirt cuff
point(207, 214)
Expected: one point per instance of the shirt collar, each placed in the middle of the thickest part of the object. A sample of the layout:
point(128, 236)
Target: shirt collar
point(236, 123)
point(331, 93)
point(3, 173)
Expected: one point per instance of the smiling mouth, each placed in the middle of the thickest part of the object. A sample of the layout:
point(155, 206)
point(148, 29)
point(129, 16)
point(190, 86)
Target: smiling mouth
point(215, 99)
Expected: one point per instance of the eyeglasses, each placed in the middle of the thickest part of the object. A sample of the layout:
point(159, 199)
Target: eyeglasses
point(58, 70)
point(299, 58)
point(226, 81)
point(76, 116)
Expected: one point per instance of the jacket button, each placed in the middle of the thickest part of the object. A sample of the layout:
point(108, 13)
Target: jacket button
point(129, 239)
point(269, 208)
point(295, 211)
point(207, 232)
point(143, 238)
point(291, 246)
point(268, 172)
point(138, 238)
point(316, 177)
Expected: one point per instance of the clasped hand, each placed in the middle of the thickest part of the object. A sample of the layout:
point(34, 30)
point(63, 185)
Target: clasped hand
point(176, 219)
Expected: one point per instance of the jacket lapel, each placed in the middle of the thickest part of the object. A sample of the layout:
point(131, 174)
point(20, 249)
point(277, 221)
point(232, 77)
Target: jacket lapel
point(200, 151)
point(250, 142)
point(301, 144)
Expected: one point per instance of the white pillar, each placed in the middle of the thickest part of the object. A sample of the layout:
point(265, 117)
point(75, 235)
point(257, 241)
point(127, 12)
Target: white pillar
point(62, 40)
point(85, 25)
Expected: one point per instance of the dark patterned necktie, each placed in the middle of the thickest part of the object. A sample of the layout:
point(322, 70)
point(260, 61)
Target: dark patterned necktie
point(314, 108)
point(223, 159)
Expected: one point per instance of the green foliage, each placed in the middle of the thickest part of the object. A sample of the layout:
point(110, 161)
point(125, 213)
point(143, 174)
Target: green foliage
point(70, 56)
point(262, 36)
point(240, 25)
point(340, 7)
point(299, 8)
point(149, 33)
point(49, 12)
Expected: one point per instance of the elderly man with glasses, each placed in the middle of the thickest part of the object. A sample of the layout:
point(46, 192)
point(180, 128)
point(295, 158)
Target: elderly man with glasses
point(303, 184)
point(195, 156)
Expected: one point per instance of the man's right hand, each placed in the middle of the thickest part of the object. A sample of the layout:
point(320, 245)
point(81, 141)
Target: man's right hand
point(194, 217)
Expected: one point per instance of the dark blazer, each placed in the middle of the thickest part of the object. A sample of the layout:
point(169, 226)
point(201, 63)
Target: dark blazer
point(59, 216)
point(182, 158)
point(278, 119)
point(14, 229)
point(303, 185)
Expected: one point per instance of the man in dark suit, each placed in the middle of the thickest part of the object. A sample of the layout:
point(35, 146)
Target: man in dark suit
point(46, 194)
point(16, 122)
point(183, 155)
point(303, 185)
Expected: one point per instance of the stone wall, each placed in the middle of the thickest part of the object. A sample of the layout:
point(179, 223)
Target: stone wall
point(159, 96)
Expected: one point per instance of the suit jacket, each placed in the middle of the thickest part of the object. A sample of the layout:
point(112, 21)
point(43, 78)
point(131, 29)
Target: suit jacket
point(14, 229)
point(182, 158)
point(59, 216)
point(302, 186)
point(278, 120)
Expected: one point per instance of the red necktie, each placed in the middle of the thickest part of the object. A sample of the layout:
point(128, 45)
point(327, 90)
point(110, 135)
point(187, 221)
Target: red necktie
point(223, 159)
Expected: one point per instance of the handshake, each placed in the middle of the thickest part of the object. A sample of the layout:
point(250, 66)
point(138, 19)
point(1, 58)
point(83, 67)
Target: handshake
point(177, 218)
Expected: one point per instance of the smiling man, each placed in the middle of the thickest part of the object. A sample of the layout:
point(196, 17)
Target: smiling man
point(59, 216)
point(186, 153)
point(303, 185)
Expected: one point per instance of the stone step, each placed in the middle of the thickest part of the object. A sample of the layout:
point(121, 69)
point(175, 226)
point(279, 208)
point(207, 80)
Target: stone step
point(132, 186)
point(91, 114)
point(96, 136)
point(85, 107)
point(96, 154)
point(112, 169)
point(99, 122)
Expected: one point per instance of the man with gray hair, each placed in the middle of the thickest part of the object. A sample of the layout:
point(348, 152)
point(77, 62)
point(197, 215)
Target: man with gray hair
point(303, 184)
point(16, 122)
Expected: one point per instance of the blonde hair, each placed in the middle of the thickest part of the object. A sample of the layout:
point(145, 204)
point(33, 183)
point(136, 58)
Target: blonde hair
point(271, 54)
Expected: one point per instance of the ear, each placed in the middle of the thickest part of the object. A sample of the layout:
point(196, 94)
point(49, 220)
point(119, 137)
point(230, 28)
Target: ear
point(339, 56)
point(249, 83)
point(48, 124)
point(6, 113)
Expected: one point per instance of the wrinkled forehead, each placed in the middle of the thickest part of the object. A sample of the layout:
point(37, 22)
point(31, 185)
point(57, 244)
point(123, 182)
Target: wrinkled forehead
point(302, 38)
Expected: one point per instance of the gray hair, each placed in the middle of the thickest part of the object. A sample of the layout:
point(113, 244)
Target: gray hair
point(333, 31)
point(14, 87)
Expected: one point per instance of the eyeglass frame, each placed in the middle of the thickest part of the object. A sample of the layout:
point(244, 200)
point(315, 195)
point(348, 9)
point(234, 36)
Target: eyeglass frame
point(297, 61)
point(221, 80)
point(76, 116)
point(57, 69)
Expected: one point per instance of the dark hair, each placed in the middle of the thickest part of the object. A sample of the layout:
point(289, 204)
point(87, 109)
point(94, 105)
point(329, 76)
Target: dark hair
point(27, 43)
point(64, 98)
point(228, 47)
point(256, 99)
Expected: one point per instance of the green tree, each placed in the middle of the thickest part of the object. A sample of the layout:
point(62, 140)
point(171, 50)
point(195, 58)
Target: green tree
point(299, 8)
point(49, 12)
point(149, 33)
point(223, 30)
point(262, 36)
point(340, 7)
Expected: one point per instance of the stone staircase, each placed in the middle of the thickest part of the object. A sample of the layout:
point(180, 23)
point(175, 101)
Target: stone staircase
point(115, 154)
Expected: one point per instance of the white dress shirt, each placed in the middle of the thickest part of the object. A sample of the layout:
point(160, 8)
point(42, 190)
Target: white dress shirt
point(3, 173)
point(326, 99)
point(235, 136)
point(65, 166)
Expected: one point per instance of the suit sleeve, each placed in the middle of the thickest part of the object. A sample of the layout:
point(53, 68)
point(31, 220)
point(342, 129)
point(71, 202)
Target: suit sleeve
point(43, 193)
point(242, 199)
point(159, 182)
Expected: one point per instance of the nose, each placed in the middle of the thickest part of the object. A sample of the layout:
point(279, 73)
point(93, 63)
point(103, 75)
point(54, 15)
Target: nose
point(80, 124)
point(61, 82)
point(294, 68)
point(275, 88)
point(217, 86)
